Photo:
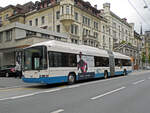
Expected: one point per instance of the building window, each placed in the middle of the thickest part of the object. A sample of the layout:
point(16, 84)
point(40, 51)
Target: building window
point(0, 21)
point(43, 19)
point(104, 39)
point(57, 14)
point(104, 29)
point(62, 9)
point(6, 16)
point(86, 32)
point(76, 16)
point(1, 37)
point(58, 28)
point(67, 9)
point(95, 34)
point(36, 22)
point(114, 25)
point(75, 41)
point(109, 42)
point(74, 29)
point(30, 33)
point(86, 21)
point(45, 35)
point(71, 10)
point(9, 35)
point(30, 22)
point(96, 25)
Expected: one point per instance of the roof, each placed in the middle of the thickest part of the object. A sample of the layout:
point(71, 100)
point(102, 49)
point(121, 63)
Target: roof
point(126, 23)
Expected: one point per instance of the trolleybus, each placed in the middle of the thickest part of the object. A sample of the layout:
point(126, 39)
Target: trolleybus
point(57, 62)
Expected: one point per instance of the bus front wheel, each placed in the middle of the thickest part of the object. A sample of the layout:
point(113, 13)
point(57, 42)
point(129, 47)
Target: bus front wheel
point(71, 79)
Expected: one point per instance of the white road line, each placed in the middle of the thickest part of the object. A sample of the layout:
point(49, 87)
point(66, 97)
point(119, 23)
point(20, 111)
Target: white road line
point(138, 82)
point(74, 86)
point(31, 94)
point(58, 111)
point(116, 90)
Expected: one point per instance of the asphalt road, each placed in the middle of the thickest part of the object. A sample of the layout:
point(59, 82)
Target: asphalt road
point(124, 94)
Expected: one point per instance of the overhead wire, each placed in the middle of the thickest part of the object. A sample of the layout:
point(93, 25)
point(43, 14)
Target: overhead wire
point(138, 13)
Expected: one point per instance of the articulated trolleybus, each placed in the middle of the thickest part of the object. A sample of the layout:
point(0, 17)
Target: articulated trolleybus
point(57, 62)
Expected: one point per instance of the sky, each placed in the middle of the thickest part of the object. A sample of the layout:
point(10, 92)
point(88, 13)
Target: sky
point(133, 10)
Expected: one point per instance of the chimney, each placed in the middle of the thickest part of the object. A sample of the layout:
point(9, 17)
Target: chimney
point(95, 6)
point(106, 7)
point(124, 19)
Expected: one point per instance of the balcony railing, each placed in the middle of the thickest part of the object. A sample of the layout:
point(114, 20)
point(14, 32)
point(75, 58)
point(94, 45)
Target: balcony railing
point(87, 37)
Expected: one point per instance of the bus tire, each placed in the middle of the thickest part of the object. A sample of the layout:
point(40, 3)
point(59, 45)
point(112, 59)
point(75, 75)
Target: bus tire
point(71, 78)
point(125, 72)
point(105, 74)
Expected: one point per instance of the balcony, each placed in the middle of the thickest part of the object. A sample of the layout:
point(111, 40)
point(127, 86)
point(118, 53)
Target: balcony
point(89, 37)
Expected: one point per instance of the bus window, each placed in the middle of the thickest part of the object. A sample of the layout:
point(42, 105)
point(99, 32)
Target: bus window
point(35, 58)
point(126, 62)
point(58, 59)
point(118, 62)
point(101, 61)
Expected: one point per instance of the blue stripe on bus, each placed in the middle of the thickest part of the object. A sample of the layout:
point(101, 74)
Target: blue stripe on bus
point(119, 73)
point(61, 79)
point(99, 75)
point(46, 80)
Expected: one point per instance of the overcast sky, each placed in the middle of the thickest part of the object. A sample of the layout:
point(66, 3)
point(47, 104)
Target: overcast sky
point(121, 8)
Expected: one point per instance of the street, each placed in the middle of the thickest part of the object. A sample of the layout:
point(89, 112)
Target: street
point(123, 94)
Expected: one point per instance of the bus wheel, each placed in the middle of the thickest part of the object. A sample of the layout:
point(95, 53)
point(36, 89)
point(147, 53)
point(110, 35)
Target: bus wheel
point(105, 74)
point(7, 75)
point(71, 79)
point(125, 72)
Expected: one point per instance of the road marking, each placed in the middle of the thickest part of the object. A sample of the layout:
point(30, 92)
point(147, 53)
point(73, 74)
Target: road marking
point(16, 87)
point(116, 90)
point(138, 82)
point(58, 111)
point(31, 94)
point(74, 86)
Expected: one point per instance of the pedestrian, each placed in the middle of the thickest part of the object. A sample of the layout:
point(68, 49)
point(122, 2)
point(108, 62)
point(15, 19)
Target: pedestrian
point(18, 70)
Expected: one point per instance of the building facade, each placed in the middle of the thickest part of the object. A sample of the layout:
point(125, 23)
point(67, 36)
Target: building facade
point(147, 48)
point(77, 20)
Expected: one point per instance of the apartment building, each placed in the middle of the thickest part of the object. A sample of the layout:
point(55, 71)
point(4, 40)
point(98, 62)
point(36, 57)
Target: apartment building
point(81, 22)
point(147, 48)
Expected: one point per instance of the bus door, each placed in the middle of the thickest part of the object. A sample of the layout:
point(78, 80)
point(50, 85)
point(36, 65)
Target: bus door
point(111, 63)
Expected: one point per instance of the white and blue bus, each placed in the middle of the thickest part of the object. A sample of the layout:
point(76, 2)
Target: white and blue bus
point(57, 62)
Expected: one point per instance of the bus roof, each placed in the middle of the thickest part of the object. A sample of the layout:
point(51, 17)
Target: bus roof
point(54, 45)
point(120, 56)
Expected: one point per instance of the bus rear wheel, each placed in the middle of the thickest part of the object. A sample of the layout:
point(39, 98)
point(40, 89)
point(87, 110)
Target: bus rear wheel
point(71, 79)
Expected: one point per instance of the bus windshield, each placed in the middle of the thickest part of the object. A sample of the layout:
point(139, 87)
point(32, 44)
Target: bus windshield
point(35, 58)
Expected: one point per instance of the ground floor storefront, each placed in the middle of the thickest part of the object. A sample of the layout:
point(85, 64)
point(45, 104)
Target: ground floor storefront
point(10, 56)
